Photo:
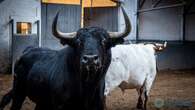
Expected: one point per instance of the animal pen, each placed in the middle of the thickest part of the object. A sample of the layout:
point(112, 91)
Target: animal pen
point(26, 24)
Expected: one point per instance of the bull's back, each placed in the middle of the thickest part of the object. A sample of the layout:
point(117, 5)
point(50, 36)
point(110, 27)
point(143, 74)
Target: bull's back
point(134, 56)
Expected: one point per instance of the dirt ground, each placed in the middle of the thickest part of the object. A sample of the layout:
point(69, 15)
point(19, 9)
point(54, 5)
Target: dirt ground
point(172, 90)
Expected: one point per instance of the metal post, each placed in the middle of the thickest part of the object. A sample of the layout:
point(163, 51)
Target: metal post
point(183, 24)
point(38, 32)
point(82, 14)
point(189, 6)
point(141, 4)
point(137, 22)
point(12, 57)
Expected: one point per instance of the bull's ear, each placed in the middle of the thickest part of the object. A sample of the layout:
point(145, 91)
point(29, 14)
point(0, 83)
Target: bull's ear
point(63, 42)
point(116, 41)
point(73, 43)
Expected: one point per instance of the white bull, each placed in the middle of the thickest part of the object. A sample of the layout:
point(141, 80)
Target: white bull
point(133, 66)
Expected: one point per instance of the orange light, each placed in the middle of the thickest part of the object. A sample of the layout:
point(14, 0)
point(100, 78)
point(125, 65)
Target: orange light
point(86, 3)
point(23, 28)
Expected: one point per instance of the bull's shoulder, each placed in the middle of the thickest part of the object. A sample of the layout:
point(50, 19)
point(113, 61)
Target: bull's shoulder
point(32, 55)
point(52, 72)
point(51, 63)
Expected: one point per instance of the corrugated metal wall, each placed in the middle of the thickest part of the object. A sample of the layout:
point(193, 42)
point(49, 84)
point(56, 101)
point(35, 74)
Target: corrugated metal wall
point(163, 24)
point(106, 17)
point(166, 24)
point(190, 24)
point(69, 21)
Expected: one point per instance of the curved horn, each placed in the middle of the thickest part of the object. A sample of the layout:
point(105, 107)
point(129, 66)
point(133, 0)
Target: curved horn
point(127, 29)
point(60, 35)
point(157, 46)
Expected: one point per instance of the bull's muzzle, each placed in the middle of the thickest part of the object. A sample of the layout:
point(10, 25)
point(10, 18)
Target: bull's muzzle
point(90, 60)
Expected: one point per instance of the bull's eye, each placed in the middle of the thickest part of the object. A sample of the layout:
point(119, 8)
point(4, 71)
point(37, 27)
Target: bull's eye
point(85, 58)
point(78, 42)
point(95, 57)
point(103, 42)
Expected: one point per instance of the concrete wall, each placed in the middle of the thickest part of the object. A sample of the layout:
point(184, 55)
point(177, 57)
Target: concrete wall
point(13, 9)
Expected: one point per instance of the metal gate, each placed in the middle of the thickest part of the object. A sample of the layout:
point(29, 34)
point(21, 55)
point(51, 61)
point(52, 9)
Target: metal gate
point(21, 41)
point(69, 21)
point(105, 17)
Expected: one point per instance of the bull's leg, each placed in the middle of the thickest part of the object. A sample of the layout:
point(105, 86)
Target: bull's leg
point(17, 103)
point(6, 99)
point(37, 107)
point(105, 107)
point(146, 99)
point(41, 107)
point(140, 101)
point(18, 94)
point(18, 100)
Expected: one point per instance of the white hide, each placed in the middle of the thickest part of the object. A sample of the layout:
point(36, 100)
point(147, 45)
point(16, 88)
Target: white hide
point(134, 64)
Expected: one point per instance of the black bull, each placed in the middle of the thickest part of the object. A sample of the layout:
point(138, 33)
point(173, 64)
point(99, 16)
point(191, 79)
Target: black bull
point(68, 79)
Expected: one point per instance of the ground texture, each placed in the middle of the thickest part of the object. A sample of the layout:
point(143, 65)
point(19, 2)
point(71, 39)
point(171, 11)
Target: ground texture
point(172, 90)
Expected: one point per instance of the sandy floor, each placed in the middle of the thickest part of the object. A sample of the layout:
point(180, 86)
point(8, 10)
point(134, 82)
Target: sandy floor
point(173, 90)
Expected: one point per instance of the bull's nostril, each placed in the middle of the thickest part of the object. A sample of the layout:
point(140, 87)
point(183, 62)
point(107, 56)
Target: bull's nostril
point(90, 59)
point(95, 57)
point(85, 58)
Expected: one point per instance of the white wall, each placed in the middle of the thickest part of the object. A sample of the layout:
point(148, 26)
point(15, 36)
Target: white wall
point(22, 9)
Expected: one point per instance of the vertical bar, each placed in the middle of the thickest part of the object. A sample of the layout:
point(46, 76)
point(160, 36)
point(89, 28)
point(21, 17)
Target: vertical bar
point(141, 4)
point(38, 32)
point(12, 35)
point(82, 14)
point(183, 24)
point(137, 22)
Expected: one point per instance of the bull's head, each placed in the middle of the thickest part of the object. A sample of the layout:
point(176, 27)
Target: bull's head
point(93, 44)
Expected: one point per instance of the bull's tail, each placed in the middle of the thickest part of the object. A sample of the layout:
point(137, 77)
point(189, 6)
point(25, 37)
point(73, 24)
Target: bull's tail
point(159, 47)
point(6, 99)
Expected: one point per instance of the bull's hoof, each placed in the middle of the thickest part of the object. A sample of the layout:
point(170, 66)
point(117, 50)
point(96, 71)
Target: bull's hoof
point(139, 109)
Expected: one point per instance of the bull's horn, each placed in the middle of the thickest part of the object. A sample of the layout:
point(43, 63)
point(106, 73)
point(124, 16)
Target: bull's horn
point(127, 29)
point(160, 47)
point(60, 35)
